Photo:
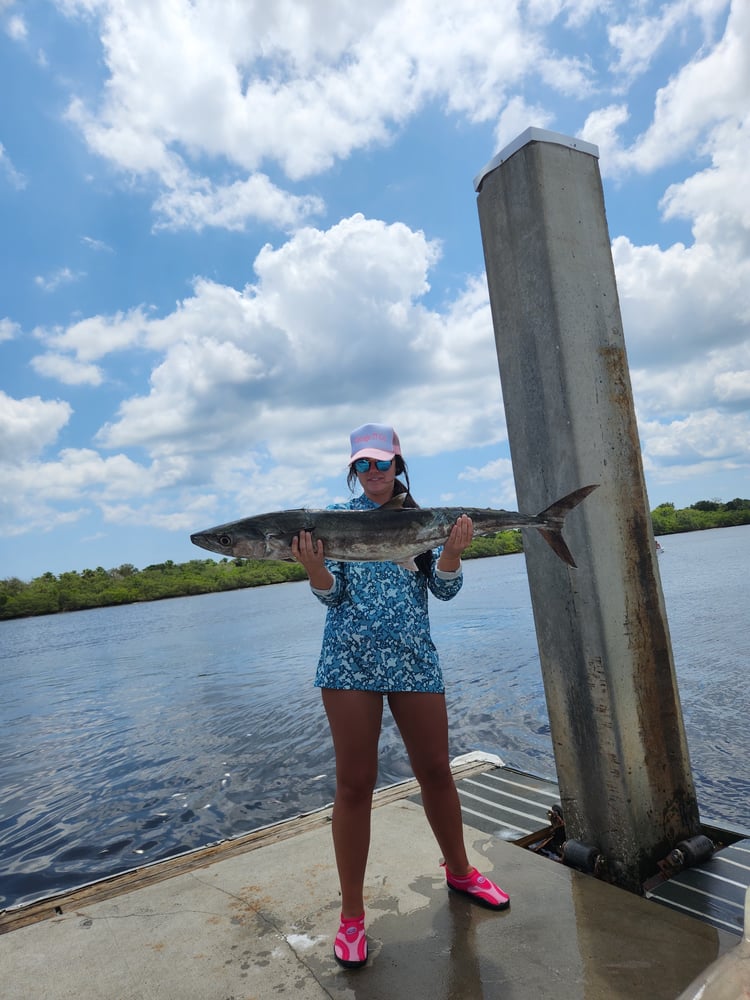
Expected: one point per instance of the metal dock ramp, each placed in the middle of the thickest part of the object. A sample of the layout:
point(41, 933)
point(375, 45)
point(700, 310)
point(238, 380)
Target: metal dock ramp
point(510, 804)
point(507, 803)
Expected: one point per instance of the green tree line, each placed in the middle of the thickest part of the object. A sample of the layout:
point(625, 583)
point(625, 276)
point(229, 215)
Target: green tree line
point(700, 516)
point(96, 588)
point(93, 588)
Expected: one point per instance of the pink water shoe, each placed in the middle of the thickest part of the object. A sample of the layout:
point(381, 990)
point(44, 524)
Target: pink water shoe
point(479, 888)
point(350, 946)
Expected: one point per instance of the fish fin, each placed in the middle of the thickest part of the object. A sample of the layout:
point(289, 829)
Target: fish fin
point(409, 564)
point(557, 543)
point(556, 513)
point(395, 503)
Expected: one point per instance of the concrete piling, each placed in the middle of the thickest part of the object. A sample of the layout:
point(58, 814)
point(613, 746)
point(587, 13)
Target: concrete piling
point(609, 678)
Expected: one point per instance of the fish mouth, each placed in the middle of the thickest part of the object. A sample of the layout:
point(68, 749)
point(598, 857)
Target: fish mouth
point(222, 543)
point(204, 541)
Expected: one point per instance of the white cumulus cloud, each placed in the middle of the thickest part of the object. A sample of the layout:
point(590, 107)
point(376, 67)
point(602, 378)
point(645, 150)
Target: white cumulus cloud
point(29, 425)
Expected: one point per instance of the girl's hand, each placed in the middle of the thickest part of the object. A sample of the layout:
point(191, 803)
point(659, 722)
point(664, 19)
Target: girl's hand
point(459, 539)
point(311, 556)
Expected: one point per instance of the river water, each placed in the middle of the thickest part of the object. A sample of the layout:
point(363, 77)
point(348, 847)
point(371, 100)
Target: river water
point(134, 733)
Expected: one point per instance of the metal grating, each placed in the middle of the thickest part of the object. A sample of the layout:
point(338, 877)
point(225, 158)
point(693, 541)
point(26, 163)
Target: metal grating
point(507, 803)
point(713, 891)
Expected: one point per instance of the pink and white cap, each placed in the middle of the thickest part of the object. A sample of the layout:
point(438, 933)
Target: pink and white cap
point(374, 441)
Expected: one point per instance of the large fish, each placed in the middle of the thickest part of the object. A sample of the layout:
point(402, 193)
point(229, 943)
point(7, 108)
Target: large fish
point(391, 533)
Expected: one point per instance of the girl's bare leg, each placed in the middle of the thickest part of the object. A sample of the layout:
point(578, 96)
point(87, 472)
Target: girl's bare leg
point(355, 719)
point(422, 720)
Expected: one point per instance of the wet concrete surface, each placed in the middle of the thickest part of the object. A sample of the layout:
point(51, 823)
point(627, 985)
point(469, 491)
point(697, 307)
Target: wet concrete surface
point(261, 924)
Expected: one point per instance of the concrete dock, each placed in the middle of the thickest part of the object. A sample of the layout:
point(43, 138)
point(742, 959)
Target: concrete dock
point(259, 924)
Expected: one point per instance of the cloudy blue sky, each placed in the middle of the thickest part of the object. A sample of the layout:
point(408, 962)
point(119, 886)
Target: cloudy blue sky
point(233, 231)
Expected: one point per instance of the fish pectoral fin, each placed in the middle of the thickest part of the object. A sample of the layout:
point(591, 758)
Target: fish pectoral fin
point(409, 564)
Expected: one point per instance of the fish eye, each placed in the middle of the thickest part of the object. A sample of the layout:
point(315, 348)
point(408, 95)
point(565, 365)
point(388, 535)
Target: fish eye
point(225, 540)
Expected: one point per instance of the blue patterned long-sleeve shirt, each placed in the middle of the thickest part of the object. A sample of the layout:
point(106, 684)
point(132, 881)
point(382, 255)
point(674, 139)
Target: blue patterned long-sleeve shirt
point(377, 630)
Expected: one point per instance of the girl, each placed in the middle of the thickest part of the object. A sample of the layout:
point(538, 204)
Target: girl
point(377, 645)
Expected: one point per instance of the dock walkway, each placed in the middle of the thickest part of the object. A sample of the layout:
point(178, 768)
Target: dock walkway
point(256, 921)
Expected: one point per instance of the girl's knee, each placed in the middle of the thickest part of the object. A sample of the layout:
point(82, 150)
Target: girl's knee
point(355, 787)
point(435, 774)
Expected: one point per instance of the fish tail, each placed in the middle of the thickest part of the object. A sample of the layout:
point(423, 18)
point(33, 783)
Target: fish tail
point(553, 537)
point(554, 515)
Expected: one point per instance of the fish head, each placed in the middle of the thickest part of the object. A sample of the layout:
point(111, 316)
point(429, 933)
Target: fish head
point(229, 540)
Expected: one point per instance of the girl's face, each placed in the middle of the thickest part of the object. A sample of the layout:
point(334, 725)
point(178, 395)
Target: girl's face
point(377, 483)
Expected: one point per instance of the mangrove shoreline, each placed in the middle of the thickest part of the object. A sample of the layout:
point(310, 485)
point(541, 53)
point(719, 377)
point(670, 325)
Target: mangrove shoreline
point(95, 588)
